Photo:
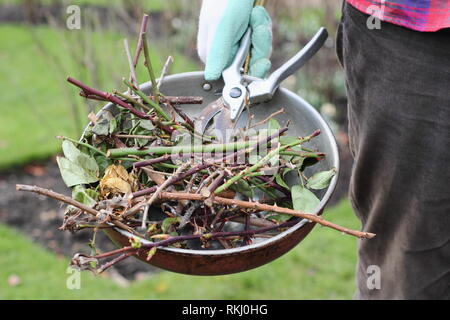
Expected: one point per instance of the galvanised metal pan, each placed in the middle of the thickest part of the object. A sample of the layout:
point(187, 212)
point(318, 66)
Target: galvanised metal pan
point(304, 119)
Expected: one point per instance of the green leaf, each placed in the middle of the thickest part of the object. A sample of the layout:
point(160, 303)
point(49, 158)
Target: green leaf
point(168, 223)
point(281, 182)
point(73, 174)
point(285, 171)
point(298, 162)
point(105, 124)
point(124, 121)
point(112, 125)
point(274, 160)
point(287, 140)
point(243, 187)
point(273, 125)
point(146, 124)
point(308, 162)
point(321, 180)
point(253, 158)
point(101, 127)
point(88, 164)
point(92, 193)
point(304, 200)
point(182, 139)
point(103, 163)
point(86, 196)
point(286, 158)
point(144, 132)
point(77, 167)
point(280, 217)
point(79, 158)
point(70, 151)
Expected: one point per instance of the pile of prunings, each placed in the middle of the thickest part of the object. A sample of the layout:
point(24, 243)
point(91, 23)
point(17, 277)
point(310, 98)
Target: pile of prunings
point(141, 167)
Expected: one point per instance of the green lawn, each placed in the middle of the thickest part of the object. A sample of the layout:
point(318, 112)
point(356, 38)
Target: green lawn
point(37, 103)
point(152, 5)
point(320, 267)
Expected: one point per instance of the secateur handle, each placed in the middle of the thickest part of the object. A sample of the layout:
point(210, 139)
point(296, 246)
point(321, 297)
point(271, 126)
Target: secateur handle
point(263, 90)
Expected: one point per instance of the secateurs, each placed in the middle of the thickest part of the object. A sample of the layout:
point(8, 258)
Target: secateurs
point(236, 94)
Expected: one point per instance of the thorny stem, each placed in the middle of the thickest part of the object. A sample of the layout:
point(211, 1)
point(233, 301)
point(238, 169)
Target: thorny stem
point(217, 182)
point(82, 144)
point(209, 148)
point(265, 207)
point(56, 196)
point(112, 98)
point(143, 96)
point(143, 29)
point(133, 76)
point(180, 99)
point(113, 252)
point(263, 161)
point(268, 118)
point(148, 64)
point(164, 71)
point(148, 162)
point(177, 178)
point(274, 185)
point(166, 184)
point(303, 154)
point(70, 201)
point(177, 100)
point(206, 165)
point(167, 157)
point(121, 152)
point(203, 166)
point(107, 96)
point(116, 260)
point(134, 136)
point(183, 115)
point(130, 99)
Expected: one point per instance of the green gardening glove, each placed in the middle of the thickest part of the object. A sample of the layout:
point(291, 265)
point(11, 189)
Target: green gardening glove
point(222, 24)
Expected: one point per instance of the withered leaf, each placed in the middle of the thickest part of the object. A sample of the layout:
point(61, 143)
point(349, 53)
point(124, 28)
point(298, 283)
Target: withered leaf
point(117, 181)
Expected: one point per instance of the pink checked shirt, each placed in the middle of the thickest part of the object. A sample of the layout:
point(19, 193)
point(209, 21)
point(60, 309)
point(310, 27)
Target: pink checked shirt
point(420, 15)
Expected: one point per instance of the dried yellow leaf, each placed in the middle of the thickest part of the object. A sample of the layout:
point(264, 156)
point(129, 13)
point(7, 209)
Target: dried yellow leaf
point(117, 180)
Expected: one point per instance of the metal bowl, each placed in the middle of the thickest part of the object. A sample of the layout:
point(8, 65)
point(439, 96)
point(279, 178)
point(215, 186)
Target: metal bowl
point(304, 119)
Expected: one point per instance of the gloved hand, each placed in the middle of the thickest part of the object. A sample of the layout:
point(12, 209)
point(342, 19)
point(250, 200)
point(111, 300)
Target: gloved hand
point(222, 24)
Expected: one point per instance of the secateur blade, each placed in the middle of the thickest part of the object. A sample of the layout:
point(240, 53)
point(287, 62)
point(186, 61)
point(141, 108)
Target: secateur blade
point(208, 114)
point(225, 128)
point(234, 91)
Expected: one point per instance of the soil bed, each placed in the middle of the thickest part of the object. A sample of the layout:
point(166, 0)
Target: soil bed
point(40, 217)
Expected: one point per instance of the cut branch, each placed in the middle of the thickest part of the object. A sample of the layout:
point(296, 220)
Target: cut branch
point(265, 207)
point(143, 29)
point(176, 100)
point(56, 196)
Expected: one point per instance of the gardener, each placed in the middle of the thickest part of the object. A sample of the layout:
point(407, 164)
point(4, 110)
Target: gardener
point(398, 87)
